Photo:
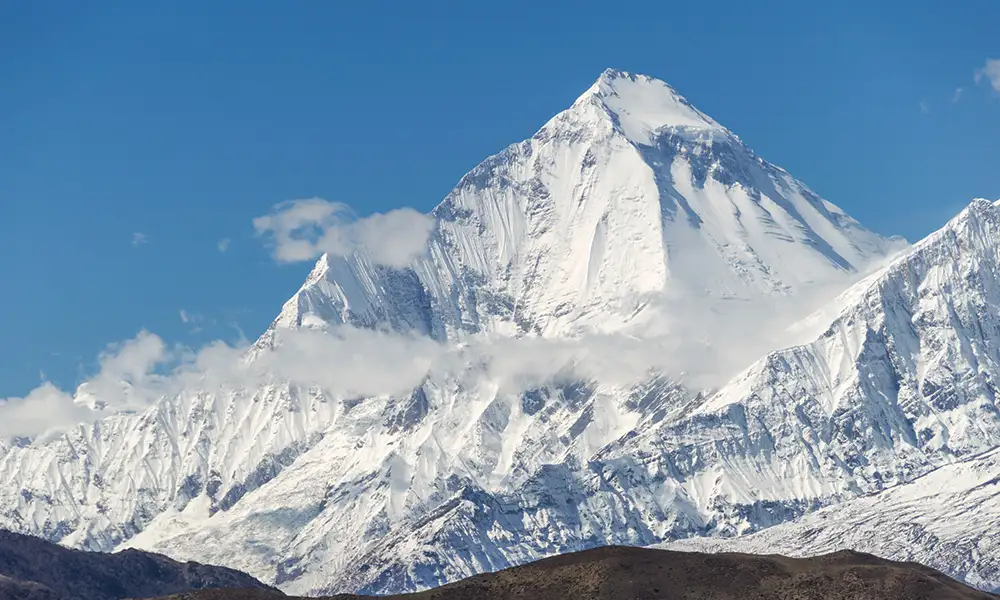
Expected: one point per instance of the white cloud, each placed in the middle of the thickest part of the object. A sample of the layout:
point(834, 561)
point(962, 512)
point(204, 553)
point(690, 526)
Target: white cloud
point(127, 377)
point(990, 72)
point(223, 244)
point(125, 381)
point(304, 229)
point(350, 362)
point(143, 370)
point(344, 361)
point(957, 95)
point(925, 108)
point(45, 408)
point(139, 238)
point(701, 343)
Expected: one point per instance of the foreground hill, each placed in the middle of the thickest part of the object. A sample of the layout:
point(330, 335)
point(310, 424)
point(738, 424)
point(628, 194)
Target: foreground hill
point(617, 573)
point(33, 569)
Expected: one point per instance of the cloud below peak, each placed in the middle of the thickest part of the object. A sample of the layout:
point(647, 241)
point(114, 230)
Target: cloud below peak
point(302, 230)
point(674, 340)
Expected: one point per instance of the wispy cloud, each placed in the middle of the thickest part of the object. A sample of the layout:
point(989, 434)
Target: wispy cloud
point(925, 108)
point(304, 229)
point(139, 238)
point(194, 321)
point(223, 244)
point(990, 72)
point(190, 318)
point(955, 97)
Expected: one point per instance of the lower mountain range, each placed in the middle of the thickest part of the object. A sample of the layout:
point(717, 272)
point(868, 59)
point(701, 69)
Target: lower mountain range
point(32, 569)
point(627, 330)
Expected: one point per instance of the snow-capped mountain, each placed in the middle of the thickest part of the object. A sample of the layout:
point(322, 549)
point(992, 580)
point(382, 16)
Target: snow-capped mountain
point(629, 198)
point(631, 213)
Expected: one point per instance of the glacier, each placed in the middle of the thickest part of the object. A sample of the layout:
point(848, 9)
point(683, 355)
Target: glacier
point(812, 364)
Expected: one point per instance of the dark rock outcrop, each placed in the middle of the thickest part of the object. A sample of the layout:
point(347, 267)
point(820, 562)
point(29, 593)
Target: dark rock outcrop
point(34, 569)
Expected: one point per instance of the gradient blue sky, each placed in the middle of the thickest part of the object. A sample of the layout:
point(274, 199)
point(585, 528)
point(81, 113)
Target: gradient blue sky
point(182, 121)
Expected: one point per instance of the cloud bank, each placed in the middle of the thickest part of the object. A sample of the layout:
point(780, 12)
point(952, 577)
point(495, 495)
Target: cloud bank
point(344, 361)
point(700, 344)
point(302, 230)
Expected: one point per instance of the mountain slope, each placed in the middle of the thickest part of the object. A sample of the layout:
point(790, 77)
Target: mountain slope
point(902, 380)
point(33, 568)
point(630, 213)
point(941, 519)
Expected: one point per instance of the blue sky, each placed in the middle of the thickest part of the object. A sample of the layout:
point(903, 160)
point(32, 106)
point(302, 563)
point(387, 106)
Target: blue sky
point(140, 139)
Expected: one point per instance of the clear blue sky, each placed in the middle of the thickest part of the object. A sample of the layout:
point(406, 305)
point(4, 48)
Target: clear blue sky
point(184, 120)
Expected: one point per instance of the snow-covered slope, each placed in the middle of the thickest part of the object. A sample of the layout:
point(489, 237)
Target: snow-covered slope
point(945, 519)
point(904, 379)
point(628, 213)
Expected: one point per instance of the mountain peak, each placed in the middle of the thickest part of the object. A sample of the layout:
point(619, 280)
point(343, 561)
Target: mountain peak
point(642, 105)
point(979, 208)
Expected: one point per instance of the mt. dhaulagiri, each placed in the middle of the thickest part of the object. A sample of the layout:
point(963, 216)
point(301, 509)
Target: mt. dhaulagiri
point(628, 195)
point(630, 218)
